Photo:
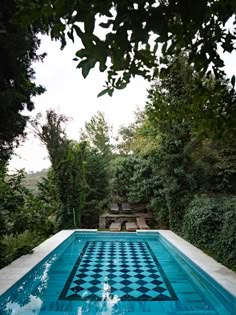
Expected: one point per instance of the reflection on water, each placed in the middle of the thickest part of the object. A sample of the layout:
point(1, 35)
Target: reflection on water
point(34, 305)
point(108, 298)
point(108, 301)
point(106, 306)
point(27, 296)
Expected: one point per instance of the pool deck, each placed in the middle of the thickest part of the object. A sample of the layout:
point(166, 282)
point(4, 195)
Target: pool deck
point(226, 278)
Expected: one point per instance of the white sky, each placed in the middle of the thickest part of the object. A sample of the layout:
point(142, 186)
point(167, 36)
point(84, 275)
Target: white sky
point(70, 94)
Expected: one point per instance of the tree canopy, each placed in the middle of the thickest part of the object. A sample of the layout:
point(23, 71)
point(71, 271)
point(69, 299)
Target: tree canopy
point(134, 31)
point(206, 102)
point(97, 134)
point(125, 38)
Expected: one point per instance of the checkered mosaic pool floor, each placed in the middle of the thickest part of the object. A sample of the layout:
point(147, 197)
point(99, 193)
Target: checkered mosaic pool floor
point(128, 270)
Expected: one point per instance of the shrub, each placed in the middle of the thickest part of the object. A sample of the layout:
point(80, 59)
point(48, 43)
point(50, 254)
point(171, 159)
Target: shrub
point(14, 246)
point(210, 223)
point(202, 221)
point(159, 208)
point(226, 240)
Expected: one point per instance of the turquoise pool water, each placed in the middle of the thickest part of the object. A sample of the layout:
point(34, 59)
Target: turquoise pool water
point(108, 273)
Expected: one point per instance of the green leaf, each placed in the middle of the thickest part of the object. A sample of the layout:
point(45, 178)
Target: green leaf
point(71, 35)
point(107, 24)
point(102, 67)
point(81, 53)
point(233, 81)
point(218, 62)
point(57, 29)
point(89, 24)
point(85, 69)
point(86, 66)
point(110, 91)
point(103, 92)
point(78, 30)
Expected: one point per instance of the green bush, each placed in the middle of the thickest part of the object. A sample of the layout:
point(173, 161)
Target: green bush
point(14, 246)
point(202, 221)
point(159, 208)
point(226, 240)
point(210, 223)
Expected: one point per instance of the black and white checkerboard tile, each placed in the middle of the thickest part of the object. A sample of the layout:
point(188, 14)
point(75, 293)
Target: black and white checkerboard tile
point(128, 270)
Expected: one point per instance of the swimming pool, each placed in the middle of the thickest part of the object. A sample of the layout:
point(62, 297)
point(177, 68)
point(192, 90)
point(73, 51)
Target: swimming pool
point(116, 273)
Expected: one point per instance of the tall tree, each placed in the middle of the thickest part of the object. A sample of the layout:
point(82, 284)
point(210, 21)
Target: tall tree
point(17, 87)
point(67, 158)
point(97, 192)
point(71, 184)
point(97, 133)
point(133, 138)
point(98, 156)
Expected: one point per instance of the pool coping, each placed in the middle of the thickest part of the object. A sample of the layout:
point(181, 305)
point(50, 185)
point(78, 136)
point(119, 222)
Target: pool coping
point(221, 274)
point(12, 273)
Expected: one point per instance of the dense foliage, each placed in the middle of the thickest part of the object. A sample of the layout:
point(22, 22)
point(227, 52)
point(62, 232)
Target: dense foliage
point(210, 224)
point(25, 219)
point(186, 180)
point(187, 177)
point(206, 102)
point(97, 136)
point(17, 87)
point(97, 192)
point(133, 31)
point(73, 194)
point(79, 169)
point(178, 159)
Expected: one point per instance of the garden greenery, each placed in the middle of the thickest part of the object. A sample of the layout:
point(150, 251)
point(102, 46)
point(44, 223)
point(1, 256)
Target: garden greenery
point(171, 160)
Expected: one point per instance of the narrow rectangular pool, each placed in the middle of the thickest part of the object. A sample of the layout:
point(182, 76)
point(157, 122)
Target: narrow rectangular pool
point(109, 273)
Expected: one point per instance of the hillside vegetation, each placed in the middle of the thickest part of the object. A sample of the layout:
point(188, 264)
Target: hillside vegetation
point(31, 180)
